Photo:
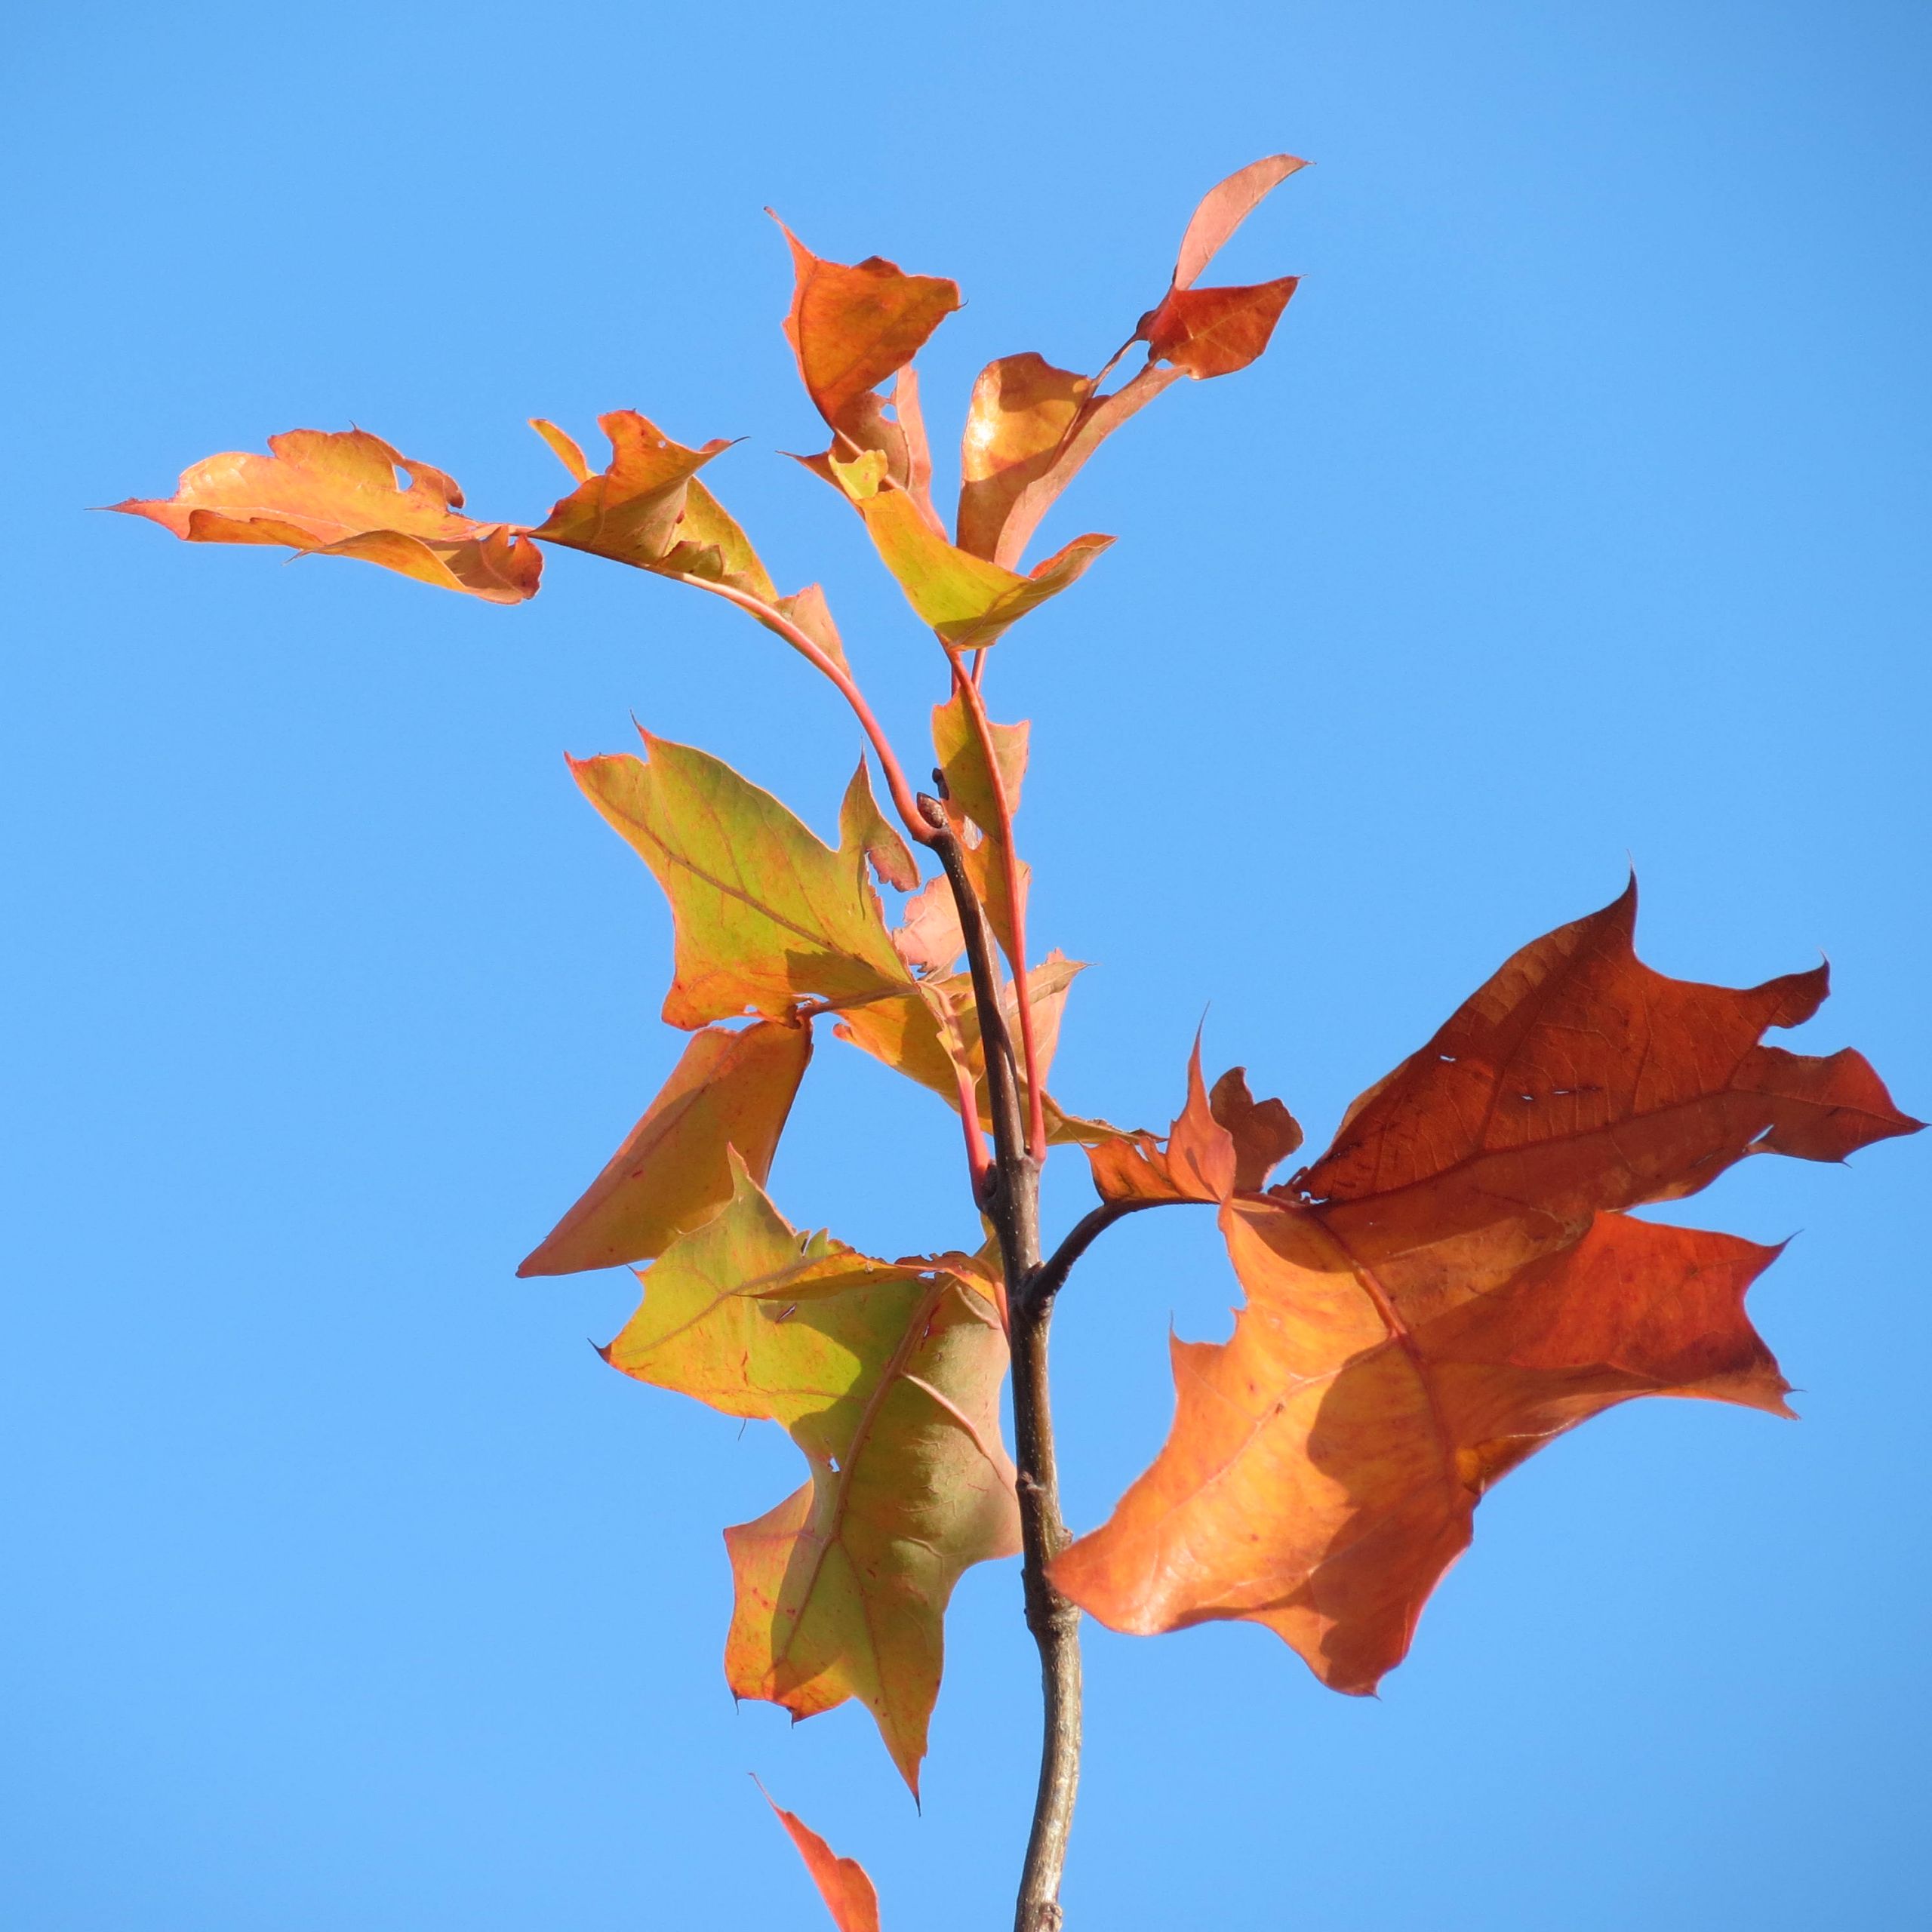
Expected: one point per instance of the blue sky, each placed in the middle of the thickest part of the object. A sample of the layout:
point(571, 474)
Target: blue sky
point(1578, 517)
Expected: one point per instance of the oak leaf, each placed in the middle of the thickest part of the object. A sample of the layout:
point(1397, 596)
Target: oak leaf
point(1455, 1282)
point(842, 1882)
point(647, 508)
point(728, 1090)
point(851, 326)
point(336, 493)
point(765, 914)
point(1031, 427)
point(887, 1375)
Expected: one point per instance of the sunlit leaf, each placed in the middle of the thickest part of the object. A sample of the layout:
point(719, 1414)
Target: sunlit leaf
point(730, 1090)
point(647, 508)
point(347, 494)
point(887, 1375)
point(765, 914)
point(842, 1882)
point(969, 602)
point(1454, 1283)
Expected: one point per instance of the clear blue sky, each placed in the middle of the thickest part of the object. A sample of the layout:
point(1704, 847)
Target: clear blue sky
point(1579, 515)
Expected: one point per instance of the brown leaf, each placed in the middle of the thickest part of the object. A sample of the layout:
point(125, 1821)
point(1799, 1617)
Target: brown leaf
point(729, 1091)
point(1215, 332)
point(842, 1882)
point(1454, 1283)
point(336, 493)
point(1264, 1132)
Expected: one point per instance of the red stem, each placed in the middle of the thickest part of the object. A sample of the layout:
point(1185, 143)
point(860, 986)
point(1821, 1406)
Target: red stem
point(775, 620)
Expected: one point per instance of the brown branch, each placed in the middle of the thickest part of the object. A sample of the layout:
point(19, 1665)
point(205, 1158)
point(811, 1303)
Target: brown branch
point(1012, 1203)
point(1050, 1276)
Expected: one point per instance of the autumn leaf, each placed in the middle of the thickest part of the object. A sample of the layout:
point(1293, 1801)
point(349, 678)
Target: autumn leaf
point(863, 827)
point(969, 602)
point(765, 914)
point(887, 1375)
point(1222, 1143)
point(842, 1882)
point(926, 1035)
point(647, 508)
point(729, 1091)
point(1031, 427)
point(1455, 1282)
point(1216, 331)
point(851, 327)
point(336, 493)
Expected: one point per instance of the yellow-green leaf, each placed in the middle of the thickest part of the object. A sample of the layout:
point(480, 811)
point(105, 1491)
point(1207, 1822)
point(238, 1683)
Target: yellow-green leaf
point(766, 915)
point(862, 826)
point(969, 602)
point(729, 1090)
point(887, 1375)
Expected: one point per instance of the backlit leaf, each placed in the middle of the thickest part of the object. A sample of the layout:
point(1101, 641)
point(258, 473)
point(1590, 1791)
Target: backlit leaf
point(842, 1882)
point(1023, 411)
point(336, 493)
point(851, 327)
point(647, 508)
point(1216, 331)
point(887, 1375)
point(863, 827)
point(968, 601)
point(730, 1090)
point(765, 914)
point(1455, 1282)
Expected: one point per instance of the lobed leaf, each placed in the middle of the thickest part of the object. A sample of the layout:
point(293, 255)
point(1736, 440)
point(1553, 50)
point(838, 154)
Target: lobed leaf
point(728, 1090)
point(1455, 1282)
point(887, 1375)
point(336, 493)
point(647, 508)
point(765, 914)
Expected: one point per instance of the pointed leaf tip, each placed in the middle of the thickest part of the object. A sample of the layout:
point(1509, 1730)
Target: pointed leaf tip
point(842, 1883)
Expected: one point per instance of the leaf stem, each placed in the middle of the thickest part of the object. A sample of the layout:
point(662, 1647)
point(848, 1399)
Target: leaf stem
point(775, 620)
point(1012, 1203)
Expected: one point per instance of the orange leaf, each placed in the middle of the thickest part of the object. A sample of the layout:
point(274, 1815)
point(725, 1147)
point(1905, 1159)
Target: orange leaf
point(852, 326)
point(1223, 1143)
point(729, 1091)
point(886, 1376)
point(336, 493)
point(1223, 208)
point(862, 826)
point(1215, 332)
point(1454, 1283)
point(1032, 427)
point(842, 1882)
point(647, 508)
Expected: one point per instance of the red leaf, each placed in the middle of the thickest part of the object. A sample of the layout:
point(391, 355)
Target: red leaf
point(1454, 1283)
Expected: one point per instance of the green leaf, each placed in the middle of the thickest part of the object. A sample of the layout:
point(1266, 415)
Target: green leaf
point(887, 1375)
point(765, 914)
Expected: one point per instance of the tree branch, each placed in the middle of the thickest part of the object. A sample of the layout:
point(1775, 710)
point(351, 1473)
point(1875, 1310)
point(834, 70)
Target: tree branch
point(1050, 1276)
